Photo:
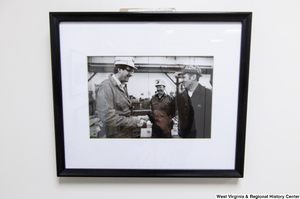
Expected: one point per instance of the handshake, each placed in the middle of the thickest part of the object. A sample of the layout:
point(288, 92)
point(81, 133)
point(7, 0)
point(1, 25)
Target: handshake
point(143, 119)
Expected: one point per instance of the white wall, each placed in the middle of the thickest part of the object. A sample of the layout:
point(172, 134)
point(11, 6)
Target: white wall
point(27, 146)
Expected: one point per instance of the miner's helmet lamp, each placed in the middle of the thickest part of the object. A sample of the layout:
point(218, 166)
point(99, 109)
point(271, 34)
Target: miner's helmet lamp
point(159, 82)
point(128, 61)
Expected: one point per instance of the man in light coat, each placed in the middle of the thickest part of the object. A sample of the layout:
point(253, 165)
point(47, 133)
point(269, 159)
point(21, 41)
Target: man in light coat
point(113, 104)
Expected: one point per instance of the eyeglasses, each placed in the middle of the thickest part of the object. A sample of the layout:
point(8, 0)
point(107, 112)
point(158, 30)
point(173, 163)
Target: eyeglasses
point(130, 70)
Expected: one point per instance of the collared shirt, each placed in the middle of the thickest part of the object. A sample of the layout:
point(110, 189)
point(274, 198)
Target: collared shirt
point(121, 86)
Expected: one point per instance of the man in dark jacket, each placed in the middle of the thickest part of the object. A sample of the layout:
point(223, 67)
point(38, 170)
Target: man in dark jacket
point(161, 99)
point(194, 106)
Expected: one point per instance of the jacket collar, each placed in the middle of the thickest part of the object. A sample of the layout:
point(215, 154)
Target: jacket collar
point(116, 84)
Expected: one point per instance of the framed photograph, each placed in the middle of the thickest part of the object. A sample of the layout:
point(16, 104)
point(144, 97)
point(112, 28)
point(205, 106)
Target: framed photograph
point(150, 94)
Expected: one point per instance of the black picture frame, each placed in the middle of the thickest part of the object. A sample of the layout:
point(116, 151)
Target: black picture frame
point(56, 18)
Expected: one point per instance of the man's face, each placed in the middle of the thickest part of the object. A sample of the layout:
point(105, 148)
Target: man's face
point(160, 89)
point(187, 80)
point(125, 74)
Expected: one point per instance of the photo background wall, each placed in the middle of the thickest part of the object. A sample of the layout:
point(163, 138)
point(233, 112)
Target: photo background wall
point(27, 145)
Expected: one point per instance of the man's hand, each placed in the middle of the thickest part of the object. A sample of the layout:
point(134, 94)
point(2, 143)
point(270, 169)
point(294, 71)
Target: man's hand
point(178, 74)
point(143, 117)
point(142, 120)
point(142, 123)
point(181, 88)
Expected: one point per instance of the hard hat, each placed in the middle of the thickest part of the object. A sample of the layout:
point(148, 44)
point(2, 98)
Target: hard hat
point(129, 61)
point(192, 69)
point(159, 82)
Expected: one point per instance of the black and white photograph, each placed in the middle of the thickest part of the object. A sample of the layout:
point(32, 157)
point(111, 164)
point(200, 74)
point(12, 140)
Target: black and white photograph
point(152, 92)
point(150, 97)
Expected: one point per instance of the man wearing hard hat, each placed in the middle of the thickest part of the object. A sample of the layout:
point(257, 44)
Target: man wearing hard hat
point(161, 99)
point(194, 105)
point(113, 104)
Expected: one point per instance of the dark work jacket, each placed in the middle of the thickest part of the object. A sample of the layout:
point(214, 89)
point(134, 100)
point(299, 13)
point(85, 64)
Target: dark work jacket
point(201, 102)
point(194, 113)
point(161, 103)
point(186, 116)
point(183, 105)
